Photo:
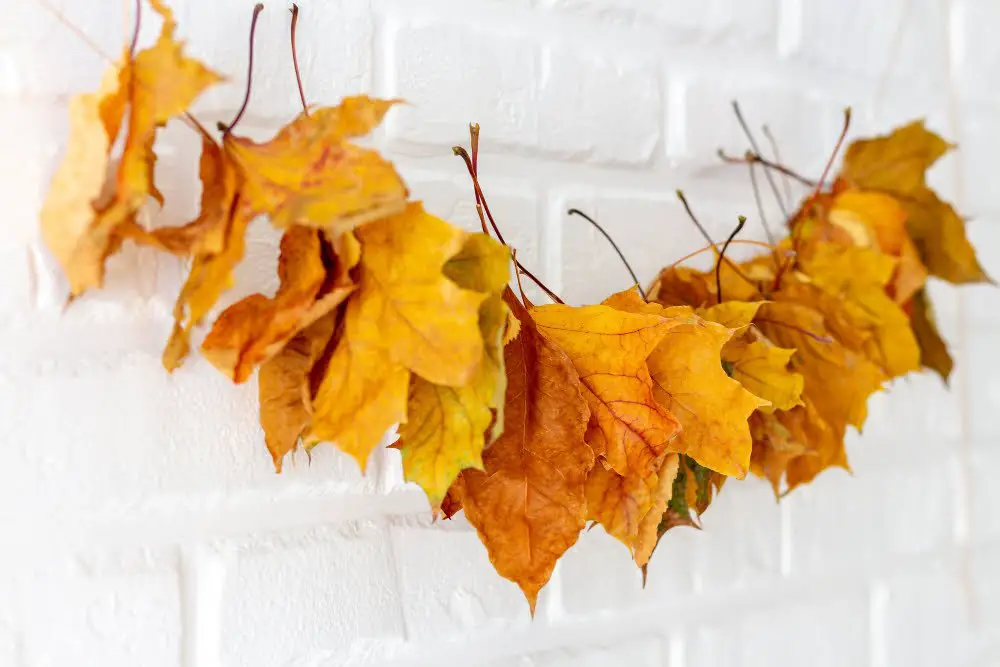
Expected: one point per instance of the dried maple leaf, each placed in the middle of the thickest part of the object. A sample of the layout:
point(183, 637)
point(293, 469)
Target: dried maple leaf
point(309, 174)
point(408, 307)
point(857, 277)
point(211, 274)
point(446, 431)
point(933, 350)
point(837, 378)
point(762, 369)
point(255, 328)
point(648, 533)
point(92, 199)
point(528, 505)
point(609, 348)
point(896, 164)
point(689, 380)
point(362, 394)
point(284, 388)
point(873, 219)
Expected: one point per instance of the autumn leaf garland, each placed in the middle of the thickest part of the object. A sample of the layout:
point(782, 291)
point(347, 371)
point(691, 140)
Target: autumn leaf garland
point(534, 420)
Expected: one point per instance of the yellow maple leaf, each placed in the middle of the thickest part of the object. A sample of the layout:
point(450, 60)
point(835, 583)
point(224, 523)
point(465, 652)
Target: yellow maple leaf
point(896, 164)
point(407, 306)
point(362, 394)
point(762, 369)
point(446, 431)
point(310, 174)
point(92, 199)
point(857, 277)
point(689, 380)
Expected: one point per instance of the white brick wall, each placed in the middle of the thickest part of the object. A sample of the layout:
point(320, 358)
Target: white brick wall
point(142, 524)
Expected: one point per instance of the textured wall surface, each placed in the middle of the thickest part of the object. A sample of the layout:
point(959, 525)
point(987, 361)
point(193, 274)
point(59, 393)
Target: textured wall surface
point(142, 523)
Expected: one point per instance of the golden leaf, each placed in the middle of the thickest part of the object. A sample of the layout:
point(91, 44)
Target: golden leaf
point(309, 174)
point(762, 369)
point(407, 306)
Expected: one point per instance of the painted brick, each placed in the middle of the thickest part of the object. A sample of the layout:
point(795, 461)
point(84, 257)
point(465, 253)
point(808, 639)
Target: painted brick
point(747, 555)
point(637, 652)
point(983, 494)
point(980, 356)
point(617, 109)
point(334, 50)
point(825, 633)
point(613, 582)
point(881, 513)
point(446, 582)
point(894, 41)
point(932, 601)
point(122, 610)
point(496, 72)
point(714, 22)
point(804, 124)
point(310, 596)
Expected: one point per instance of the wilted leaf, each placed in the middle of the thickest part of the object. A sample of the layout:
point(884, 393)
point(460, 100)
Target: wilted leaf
point(689, 380)
point(211, 275)
point(609, 348)
point(362, 394)
point(896, 164)
point(648, 533)
point(447, 427)
point(309, 174)
point(933, 350)
point(857, 277)
point(529, 506)
point(255, 328)
point(283, 386)
point(407, 306)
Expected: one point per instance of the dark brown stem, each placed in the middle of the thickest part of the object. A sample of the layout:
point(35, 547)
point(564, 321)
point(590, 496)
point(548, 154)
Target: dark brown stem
point(815, 193)
point(708, 238)
point(481, 202)
point(258, 8)
point(621, 256)
point(755, 158)
point(777, 158)
point(722, 256)
point(756, 149)
point(135, 31)
point(295, 60)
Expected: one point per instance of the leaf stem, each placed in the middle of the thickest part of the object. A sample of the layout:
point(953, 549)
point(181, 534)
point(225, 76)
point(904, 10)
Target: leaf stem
point(135, 31)
point(621, 256)
point(756, 149)
point(711, 243)
point(295, 60)
point(481, 206)
point(777, 158)
point(750, 156)
point(722, 255)
point(258, 8)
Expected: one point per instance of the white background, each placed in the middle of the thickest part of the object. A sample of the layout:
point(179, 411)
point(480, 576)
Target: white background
point(141, 522)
